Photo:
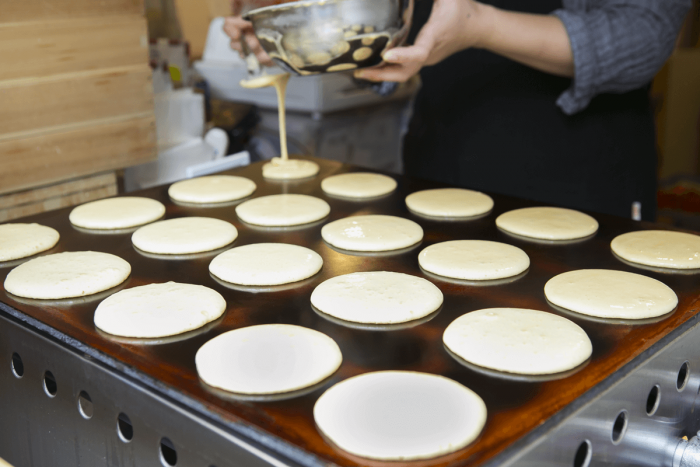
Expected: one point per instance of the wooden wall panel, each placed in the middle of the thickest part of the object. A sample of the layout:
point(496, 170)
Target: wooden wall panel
point(28, 105)
point(40, 160)
point(45, 48)
point(13, 11)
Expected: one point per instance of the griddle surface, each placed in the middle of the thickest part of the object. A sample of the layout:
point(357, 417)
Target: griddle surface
point(514, 407)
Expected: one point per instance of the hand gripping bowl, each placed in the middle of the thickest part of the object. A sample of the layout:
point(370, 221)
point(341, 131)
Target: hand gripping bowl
point(324, 36)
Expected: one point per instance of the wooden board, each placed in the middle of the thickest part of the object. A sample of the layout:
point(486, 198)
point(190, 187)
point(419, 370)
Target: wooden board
point(76, 151)
point(46, 48)
point(35, 10)
point(66, 188)
point(57, 202)
point(29, 105)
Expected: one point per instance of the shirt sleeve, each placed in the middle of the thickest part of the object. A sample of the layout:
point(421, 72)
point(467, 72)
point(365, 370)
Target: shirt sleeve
point(617, 46)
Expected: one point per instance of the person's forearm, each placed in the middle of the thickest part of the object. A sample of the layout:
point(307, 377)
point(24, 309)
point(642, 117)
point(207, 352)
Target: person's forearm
point(539, 41)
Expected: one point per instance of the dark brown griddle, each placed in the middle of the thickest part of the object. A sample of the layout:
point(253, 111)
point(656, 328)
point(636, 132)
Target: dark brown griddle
point(515, 408)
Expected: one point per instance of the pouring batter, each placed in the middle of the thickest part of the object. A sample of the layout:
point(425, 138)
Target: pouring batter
point(281, 168)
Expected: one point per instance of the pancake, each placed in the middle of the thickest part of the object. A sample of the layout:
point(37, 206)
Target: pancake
point(659, 248)
point(22, 240)
point(159, 310)
point(610, 294)
point(377, 297)
point(117, 213)
point(184, 235)
point(547, 223)
point(358, 185)
point(283, 210)
point(400, 415)
point(67, 275)
point(475, 260)
point(211, 189)
point(372, 233)
point(449, 203)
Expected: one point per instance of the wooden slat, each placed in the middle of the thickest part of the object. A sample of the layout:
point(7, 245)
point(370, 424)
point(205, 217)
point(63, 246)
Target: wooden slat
point(44, 159)
point(69, 187)
point(34, 10)
point(32, 104)
point(57, 202)
point(45, 48)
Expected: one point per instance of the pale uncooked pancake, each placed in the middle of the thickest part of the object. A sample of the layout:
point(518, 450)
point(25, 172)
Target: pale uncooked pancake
point(267, 359)
point(159, 310)
point(266, 264)
point(291, 169)
point(117, 213)
point(283, 210)
point(659, 248)
point(184, 235)
point(377, 297)
point(548, 223)
point(66, 275)
point(475, 260)
point(610, 294)
point(358, 185)
point(372, 233)
point(22, 240)
point(211, 189)
point(515, 340)
point(400, 415)
point(449, 202)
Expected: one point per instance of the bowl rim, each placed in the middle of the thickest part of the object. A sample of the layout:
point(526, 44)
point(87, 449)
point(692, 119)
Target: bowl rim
point(283, 6)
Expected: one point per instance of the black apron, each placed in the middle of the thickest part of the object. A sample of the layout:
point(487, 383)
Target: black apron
point(484, 122)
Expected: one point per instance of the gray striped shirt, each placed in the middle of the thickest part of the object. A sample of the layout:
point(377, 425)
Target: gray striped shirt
point(618, 45)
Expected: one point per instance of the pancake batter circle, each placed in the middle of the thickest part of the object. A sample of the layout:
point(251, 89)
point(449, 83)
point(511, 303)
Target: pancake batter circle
point(283, 210)
point(520, 341)
point(22, 240)
point(547, 223)
point(184, 235)
point(291, 169)
point(400, 415)
point(372, 233)
point(117, 213)
point(610, 294)
point(358, 185)
point(475, 260)
point(159, 310)
point(377, 297)
point(211, 189)
point(67, 275)
point(449, 203)
point(659, 248)
point(266, 264)
point(267, 359)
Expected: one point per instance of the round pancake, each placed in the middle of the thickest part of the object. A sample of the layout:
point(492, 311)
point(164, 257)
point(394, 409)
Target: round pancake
point(67, 275)
point(267, 359)
point(400, 415)
point(266, 264)
point(548, 223)
point(475, 260)
point(372, 233)
point(211, 189)
point(377, 297)
point(659, 248)
point(159, 310)
point(291, 169)
point(22, 240)
point(184, 235)
point(358, 185)
point(117, 213)
point(520, 341)
point(610, 294)
point(283, 210)
point(449, 203)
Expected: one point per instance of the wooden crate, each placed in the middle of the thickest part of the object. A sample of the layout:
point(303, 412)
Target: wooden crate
point(75, 90)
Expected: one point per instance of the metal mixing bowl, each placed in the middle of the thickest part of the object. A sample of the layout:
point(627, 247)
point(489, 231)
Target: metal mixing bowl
point(325, 36)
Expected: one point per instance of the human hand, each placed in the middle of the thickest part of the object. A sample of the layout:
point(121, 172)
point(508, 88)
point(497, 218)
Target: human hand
point(453, 25)
point(240, 30)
